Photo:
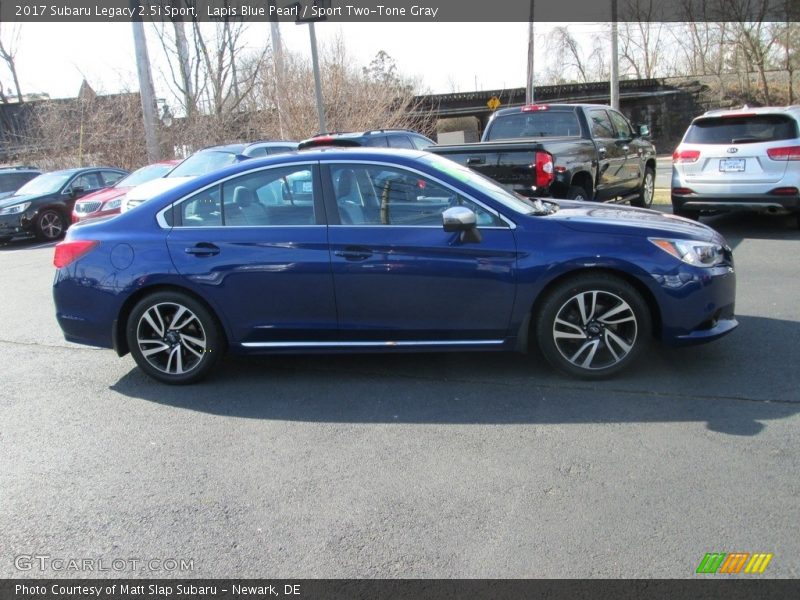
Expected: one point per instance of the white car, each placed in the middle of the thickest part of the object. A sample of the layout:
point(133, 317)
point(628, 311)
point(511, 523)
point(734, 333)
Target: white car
point(744, 159)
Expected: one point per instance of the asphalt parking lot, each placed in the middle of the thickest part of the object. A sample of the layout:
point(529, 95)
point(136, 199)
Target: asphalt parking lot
point(442, 465)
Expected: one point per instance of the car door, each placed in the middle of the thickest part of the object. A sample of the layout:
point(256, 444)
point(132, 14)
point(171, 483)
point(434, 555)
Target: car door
point(82, 184)
point(611, 156)
point(399, 277)
point(256, 247)
point(631, 174)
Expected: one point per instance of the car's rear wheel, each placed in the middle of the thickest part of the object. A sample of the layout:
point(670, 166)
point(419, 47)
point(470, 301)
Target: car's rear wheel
point(647, 191)
point(576, 192)
point(50, 225)
point(174, 338)
point(593, 325)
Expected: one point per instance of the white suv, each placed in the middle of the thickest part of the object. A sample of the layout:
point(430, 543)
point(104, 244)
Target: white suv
point(744, 159)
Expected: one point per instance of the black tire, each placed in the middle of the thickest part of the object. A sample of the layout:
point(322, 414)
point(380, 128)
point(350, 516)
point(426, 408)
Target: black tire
point(50, 225)
point(576, 192)
point(185, 338)
point(647, 191)
point(573, 334)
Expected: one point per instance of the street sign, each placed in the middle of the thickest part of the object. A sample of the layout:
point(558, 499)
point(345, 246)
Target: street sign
point(493, 103)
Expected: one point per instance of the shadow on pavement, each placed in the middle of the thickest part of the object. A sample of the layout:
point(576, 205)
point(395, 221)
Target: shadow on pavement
point(732, 385)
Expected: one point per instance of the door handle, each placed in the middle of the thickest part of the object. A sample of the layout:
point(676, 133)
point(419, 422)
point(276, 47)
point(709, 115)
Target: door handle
point(475, 160)
point(601, 150)
point(354, 253)
point(625, 149)
point(202, 249)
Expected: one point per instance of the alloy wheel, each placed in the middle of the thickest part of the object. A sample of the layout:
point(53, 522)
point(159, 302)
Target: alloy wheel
point(51, 225)
point(171, 338)
point(595, 330)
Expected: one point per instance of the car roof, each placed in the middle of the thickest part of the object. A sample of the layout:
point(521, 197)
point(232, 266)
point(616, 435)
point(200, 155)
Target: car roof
point(19, 169)
point(75, 171)
point(229, 148)
point(745, 110)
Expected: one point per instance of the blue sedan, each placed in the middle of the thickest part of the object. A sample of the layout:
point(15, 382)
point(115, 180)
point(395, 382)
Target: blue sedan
point(353, 250)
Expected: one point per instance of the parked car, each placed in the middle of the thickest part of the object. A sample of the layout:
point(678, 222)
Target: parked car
point(43, 206)
point(744, 159)
point(202, 162)
point(13, 178)
point(379, 138)
point(107, 202)
point(388, 250)
point(574, 151)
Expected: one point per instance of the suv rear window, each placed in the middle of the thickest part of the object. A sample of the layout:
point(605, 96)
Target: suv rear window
point(545, 123)
point(744, 129)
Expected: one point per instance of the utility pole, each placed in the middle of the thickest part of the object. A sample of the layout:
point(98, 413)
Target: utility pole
point(277, 61)
point(146, 91)
point(529, 83)
point(317, 81)
point(614, 58)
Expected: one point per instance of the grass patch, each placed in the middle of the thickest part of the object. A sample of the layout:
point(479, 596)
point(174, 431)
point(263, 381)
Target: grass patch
point(662, 197)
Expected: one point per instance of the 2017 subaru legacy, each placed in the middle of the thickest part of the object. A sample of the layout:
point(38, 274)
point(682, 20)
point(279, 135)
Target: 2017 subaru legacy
point(353, 250)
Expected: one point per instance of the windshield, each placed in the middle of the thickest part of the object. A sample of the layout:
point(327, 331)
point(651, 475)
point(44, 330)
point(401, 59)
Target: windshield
point(143, 175)
point(545, 123)
point(49, 183)
point(202, 163)
point(515, 202)
point(741, 129)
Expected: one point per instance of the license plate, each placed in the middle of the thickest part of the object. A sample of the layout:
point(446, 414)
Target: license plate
point(731, 165)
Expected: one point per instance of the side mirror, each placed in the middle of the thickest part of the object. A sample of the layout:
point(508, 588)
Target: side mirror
point(76, 191)
point(643, 130)
point(460, 218)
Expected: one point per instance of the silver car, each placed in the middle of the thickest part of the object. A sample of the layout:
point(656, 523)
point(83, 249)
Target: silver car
point(744, 159)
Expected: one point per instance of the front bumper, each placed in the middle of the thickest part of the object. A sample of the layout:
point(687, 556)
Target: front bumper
point(14, 225)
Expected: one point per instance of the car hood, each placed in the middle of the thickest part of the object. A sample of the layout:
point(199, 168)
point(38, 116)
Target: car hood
point(615, 219)
point(156, 186)
point(106, 194)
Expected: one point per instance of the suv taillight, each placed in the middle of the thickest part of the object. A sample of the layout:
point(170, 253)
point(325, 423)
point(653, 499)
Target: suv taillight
point(685, 156)
point(544, 169)
point(784, 153)
point(68, 252)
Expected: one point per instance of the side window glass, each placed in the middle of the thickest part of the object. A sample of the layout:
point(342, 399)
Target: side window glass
point(86, 182)
point(420, 143)
point(400, 141)
point(111, 177)
point(601, 124)
point(203, 209)
point(272, 197)
point(621, 125)
point(375, 140)
point(376, 195)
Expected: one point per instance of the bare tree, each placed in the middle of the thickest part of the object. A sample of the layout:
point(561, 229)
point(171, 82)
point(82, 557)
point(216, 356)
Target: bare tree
point(641, 38)
point(9, 40)
point(566, 50)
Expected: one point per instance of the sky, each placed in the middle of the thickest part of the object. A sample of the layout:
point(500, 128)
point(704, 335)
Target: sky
point(54, 58)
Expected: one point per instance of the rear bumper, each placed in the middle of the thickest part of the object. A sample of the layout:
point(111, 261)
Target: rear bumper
point(758, 203)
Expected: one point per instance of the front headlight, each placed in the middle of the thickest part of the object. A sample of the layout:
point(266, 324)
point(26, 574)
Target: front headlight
point(115, 203)
point(15, 209)
point(693, 252)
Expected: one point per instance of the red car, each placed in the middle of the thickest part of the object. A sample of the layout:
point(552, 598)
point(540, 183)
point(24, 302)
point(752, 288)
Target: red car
point(108, 201)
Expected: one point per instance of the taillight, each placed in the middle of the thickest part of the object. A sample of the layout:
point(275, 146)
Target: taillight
point(685, 156)
point(69, 252)
point(682, 191)
point(784, 191)
point(544, 169)
point(785, 153)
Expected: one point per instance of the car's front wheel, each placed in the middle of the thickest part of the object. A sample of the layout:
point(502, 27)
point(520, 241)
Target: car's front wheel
point(593, 325)
point(174, 338)
point(50, 225)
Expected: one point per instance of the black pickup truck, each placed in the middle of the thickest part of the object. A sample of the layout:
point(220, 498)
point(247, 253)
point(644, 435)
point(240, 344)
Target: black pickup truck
point(575, 151)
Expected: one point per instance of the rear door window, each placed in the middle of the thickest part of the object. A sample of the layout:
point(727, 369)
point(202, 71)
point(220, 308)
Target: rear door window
point(742, 129)
point(600, 123)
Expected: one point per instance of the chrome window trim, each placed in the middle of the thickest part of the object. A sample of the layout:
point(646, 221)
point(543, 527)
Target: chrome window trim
point(511, 224)
point(162, 222)
point(379, 344)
